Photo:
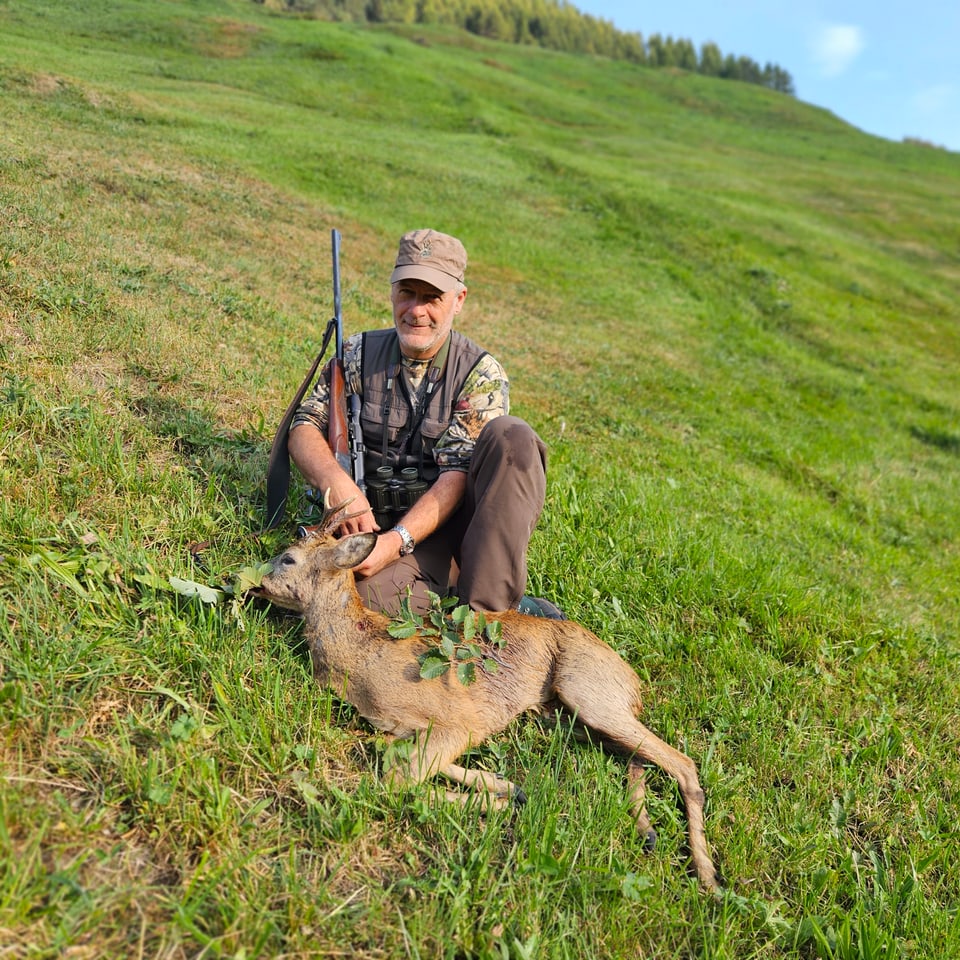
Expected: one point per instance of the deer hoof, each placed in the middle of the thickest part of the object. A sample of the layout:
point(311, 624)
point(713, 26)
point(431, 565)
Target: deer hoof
point(650, 841)
point(519, 797)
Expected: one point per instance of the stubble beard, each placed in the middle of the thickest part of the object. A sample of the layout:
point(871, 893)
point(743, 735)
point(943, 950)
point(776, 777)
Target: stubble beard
point(414, 345)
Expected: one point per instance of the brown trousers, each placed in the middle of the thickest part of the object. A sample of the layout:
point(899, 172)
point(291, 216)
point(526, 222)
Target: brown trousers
point(480, 554)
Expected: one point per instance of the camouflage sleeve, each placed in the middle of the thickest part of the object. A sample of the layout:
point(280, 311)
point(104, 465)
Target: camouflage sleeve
point(485, 395)
point(315, 407)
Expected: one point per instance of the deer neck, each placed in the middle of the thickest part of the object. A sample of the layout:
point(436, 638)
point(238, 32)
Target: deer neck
point(340, 632)
point(337, 611)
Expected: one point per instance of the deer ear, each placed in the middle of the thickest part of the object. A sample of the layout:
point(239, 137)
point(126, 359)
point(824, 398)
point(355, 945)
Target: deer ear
point(353, 550)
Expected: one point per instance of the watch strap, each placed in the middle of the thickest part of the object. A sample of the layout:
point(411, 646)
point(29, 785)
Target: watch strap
point(408, 545)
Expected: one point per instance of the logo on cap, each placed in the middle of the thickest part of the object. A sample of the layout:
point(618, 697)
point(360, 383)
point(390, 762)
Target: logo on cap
point(428, 255)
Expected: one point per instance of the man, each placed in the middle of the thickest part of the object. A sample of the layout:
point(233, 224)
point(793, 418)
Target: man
point(435, 403)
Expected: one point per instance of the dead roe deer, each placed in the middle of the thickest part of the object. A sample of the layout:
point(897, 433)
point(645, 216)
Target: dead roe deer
point(547, 665)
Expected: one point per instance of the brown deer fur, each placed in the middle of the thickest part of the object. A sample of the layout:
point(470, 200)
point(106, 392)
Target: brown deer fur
point(548, 665)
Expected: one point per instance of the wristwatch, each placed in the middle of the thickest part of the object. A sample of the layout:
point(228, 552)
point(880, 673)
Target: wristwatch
point(408, 542)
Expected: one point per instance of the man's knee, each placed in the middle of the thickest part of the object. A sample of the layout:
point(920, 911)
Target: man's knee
point(514, 442)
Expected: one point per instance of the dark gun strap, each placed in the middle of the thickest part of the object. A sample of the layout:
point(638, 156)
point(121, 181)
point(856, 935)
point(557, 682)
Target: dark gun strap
point(278, 470)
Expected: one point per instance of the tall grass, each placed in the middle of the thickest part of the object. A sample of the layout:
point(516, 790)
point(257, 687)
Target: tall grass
point(732, 318)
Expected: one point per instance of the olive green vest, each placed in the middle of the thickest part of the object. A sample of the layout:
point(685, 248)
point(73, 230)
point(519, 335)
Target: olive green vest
point(380, 354)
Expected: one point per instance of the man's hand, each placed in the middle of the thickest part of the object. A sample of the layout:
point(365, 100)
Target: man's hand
point(385, 552)
point(315, 460)
point(364, 523)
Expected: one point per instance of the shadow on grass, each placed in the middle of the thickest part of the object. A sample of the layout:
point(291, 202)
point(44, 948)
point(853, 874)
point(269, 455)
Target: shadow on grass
point(948, 442)
point(237, 460)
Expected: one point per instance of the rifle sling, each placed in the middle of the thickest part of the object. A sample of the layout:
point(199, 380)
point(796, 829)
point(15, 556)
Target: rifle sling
point(278, 470)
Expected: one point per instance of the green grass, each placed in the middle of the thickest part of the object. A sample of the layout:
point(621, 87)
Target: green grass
point(733, 319)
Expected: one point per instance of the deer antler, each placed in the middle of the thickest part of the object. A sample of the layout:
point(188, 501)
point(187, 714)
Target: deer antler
point(332, 517)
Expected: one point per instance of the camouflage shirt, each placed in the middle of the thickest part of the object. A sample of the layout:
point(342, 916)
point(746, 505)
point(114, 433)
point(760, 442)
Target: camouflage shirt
point(485, 395)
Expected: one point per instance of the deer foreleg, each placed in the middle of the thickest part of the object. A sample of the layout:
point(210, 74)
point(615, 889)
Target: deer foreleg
point(432, 752)
point(499, 789)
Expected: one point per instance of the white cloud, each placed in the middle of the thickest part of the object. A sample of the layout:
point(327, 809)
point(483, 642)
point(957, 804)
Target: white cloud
point(836, 46)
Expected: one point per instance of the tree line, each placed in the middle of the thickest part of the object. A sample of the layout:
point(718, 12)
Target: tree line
point(555, 25)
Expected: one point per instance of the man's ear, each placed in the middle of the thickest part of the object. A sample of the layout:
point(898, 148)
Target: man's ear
point(354, 549)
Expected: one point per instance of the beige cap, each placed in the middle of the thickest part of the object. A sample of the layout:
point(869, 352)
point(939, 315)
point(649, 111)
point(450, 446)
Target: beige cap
point(435, 257)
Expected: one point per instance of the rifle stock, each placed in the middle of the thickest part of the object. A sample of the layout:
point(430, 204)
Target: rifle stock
point(338, 429)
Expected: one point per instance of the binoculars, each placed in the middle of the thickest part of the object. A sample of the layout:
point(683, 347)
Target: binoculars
point(392, 495)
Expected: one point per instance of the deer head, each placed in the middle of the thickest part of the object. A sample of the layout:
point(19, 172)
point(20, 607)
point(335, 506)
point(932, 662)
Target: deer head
point(313, 569)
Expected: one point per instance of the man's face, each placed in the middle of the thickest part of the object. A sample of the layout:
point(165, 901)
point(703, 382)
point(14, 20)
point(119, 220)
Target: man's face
point(423, 316)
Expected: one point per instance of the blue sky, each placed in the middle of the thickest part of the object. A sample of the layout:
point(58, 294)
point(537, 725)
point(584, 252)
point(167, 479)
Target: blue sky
point(888, 68)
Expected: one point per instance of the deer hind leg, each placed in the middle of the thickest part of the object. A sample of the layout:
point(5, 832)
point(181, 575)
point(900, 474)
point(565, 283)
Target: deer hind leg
point(432, 753)
point(642, 744)
point(600, 688)
point(637, 793)
point(636, 776)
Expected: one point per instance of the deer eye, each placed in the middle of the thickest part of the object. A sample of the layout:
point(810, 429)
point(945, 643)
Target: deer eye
point(287, 560)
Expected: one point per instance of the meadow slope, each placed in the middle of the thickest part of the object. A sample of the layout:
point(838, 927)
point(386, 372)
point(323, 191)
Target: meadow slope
point(732, 317)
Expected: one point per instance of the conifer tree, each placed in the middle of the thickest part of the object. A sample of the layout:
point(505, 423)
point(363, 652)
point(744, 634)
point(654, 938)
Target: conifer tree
point(554, 24)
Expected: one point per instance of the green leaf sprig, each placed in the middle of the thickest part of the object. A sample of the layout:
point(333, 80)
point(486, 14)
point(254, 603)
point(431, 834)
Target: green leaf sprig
point(462, 638)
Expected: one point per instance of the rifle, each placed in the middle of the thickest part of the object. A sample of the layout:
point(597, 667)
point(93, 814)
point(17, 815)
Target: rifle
point(343, 432)
point(343, 435)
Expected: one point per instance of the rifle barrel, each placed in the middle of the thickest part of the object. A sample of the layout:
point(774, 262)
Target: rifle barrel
point(337, 303)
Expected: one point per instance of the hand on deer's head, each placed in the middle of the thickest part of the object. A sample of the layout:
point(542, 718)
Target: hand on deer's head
point(305, 572)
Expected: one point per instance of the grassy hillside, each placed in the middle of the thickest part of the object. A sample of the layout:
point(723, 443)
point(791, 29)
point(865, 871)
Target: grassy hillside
point(732, 317)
